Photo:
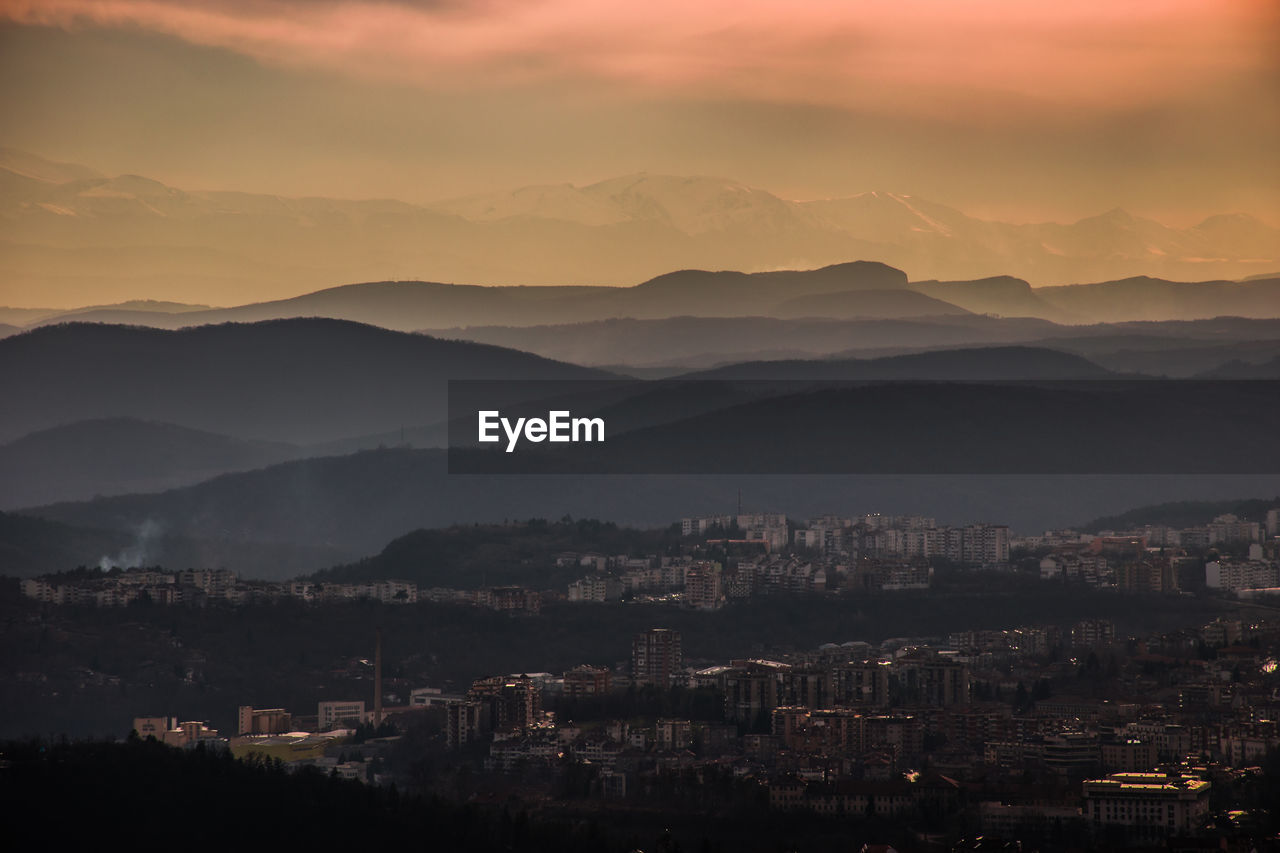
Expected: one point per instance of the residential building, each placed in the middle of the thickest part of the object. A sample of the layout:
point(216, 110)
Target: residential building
point(656, 656)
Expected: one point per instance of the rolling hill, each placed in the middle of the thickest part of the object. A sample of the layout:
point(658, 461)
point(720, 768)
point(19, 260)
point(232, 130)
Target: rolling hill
point(1133, 427)
point(1146, 298)
point(265, 522)
point(866, 304)
point(977, 363)
point(121, 455)
point(298, 381)
point(694, 342)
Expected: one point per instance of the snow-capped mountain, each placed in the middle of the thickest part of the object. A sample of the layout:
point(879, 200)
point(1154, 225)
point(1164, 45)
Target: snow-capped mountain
point(81, 237)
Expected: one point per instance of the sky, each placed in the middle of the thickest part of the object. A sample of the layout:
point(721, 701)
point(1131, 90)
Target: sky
point(1022, 111)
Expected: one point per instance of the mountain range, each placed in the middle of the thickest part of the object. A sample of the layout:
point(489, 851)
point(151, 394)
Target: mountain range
point(256, 435)
point(181, 416)
point(100, 409)
point(858, 290)
point(70, 233)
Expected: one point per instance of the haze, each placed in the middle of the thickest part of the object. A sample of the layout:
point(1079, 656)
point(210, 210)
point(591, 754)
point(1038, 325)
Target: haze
point(1005, 110)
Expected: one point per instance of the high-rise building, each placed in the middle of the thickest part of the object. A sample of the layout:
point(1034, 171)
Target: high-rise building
point(983, 544)
point(752, 689)
point(656, 656)
point(702, 586)
point(513, 703)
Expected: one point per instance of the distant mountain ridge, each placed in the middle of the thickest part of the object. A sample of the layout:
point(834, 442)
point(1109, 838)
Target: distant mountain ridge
point(165, 242)
point(852, 290)
point(410, 305)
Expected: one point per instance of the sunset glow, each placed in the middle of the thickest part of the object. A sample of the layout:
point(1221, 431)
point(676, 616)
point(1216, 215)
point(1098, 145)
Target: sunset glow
point(1099, 54)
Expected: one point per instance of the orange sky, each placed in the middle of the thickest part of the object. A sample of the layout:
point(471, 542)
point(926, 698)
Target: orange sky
point(1097, 52)
point(1010, 108)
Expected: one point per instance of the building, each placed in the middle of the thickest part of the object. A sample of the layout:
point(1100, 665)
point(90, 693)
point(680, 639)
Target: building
point(597, 589)
point(1076, 565)
point(154, 726)
point(340, 714)
point(431, 697)
point(586, 680)
point(510, 599)
point(263, 721)
point(656, 656)
point(1148, 574)
point(465, 722)
point(1230, 574)
point(1092, 633)
point(189, 733)
point(1144, 807)
point(985, 544)
point(860, 683)
point(702, 586)
point(934, 680)
point(513, 703)
point(1071, 753)
point(808, 686)
point(752, 689)
point(1129, 755)
point(700, 525)
point(1229, 529)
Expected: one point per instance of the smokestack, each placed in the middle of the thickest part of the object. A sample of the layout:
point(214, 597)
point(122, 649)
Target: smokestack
point(377, 682)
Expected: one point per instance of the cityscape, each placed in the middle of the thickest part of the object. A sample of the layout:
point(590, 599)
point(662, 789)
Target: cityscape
point(1054, 735)
point(820, 426)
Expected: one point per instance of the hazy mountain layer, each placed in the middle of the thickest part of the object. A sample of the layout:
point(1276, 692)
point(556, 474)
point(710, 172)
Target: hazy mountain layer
point(78, 237)
point(912, 428)
point(36, 546)
point(995, 363)
point(121, 455)
point(695, 342)
point(298, 381)
point(1144, 298)
point(1236, 369)
point(856, 290)
point(406, 306)
point(358, 503)
point(866, 304)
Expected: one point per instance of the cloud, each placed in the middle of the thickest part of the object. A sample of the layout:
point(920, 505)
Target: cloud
point(905, 56)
